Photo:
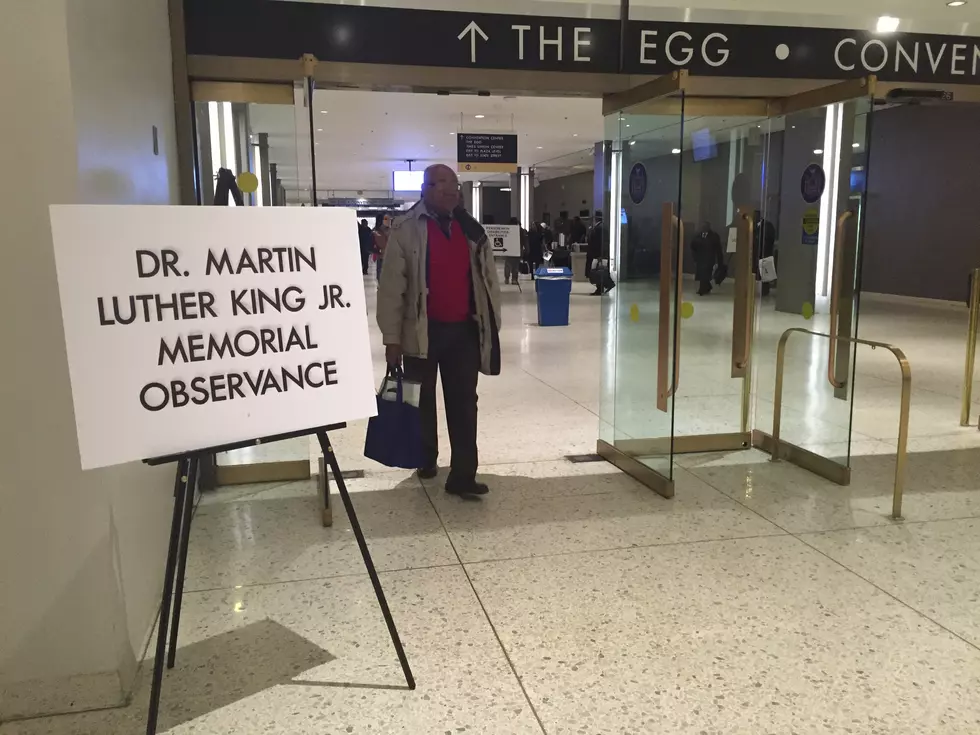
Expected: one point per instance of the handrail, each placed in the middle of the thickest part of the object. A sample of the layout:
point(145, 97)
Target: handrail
point(835, 299)
point(903, 421)
point(677, 309)
point(971, 349)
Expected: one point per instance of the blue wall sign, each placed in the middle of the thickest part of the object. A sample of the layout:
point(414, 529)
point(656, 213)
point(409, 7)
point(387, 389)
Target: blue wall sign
point(638, 182)
point(812, 183)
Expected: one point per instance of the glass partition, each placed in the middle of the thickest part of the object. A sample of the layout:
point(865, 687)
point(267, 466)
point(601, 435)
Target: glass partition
point(640, 309)
point(254, 149)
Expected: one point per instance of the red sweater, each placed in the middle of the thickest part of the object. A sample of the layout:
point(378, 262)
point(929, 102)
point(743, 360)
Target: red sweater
point(450, 283)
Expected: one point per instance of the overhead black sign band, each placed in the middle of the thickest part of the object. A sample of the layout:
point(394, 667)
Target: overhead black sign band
point(373, 35)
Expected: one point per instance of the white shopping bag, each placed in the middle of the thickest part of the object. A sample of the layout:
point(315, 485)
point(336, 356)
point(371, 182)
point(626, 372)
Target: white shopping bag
point(767, 269)
point(410, 390)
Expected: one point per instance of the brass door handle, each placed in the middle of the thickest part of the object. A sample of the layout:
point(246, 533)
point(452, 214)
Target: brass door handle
point(680, 300)
point(663, 321)
point(835, 285)
point(740, 357)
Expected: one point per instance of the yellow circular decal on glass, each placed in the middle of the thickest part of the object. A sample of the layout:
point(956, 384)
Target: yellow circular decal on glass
point(635, 313)
point(687, 310)
point(248, 182)
point(808, 310)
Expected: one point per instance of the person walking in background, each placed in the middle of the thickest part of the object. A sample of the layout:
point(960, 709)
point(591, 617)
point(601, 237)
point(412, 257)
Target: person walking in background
point(439, 311)
point(367, 244)
point(535, 248)
point(577, 231)
point(597, 259)
point(706, 248)
point(512, 263)
point(380, 241)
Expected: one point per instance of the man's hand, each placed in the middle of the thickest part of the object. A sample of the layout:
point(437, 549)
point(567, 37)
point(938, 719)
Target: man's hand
point(393, 355)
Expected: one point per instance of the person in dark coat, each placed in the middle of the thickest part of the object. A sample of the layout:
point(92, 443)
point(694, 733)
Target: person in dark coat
point(598, 250)
point(706, 247)
point(577, 231)
point(366, 238)
point(535, 248)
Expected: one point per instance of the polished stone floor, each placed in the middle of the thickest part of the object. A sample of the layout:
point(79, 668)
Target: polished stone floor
point(760, 600)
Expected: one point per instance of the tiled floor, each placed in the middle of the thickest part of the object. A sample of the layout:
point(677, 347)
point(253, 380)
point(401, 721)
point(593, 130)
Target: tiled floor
point(761, 599)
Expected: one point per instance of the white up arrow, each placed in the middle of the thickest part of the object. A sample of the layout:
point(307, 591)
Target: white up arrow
point(473, 29)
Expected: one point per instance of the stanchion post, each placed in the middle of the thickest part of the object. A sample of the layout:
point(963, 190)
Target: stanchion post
point(971, 349)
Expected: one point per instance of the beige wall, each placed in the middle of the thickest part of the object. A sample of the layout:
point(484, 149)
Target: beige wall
point(81, 553)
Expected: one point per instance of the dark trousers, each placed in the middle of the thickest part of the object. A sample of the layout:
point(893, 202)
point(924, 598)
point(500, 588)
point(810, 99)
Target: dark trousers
point(365, 258)
point(454, 352)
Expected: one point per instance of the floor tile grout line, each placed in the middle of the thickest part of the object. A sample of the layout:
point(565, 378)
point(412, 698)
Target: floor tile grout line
point(559, 392)
point(324, 578)
point(610, 549)
point(903, 603)
point(486, 614)
point(881, 589)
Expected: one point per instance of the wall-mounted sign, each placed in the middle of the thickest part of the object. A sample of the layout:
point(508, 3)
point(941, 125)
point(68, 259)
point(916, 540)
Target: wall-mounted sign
point(811, 227)
point(486, 152)
point(193, 327)
point(401, 36)
point(505, 240)
point(638, 183)
point(812, 183)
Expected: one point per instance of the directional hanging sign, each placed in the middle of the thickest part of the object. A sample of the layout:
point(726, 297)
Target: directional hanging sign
point(486, 152)
point(371, 35)
point(374, 35)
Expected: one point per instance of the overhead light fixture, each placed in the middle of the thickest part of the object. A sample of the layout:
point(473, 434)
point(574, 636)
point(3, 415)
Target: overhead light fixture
point(540, 147)
point(431, 145)
point(504, 188)
point(855, 145)
point(676, 151)
point(632, 142)
point(479, 117)
point(887, 24)
point(319, 130)
point(574, 135)
point(323, 112)
point(818, 152)
point(956, 3)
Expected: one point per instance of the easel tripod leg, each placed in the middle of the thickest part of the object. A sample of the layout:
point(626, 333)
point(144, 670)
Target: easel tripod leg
point(168, 586)
point(185, 537)
point(330, 457)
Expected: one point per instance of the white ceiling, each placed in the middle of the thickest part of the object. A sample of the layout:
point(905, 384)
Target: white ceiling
point(363, 136)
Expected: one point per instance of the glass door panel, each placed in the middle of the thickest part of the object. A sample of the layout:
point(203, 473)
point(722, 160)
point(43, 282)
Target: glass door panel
point(812, 222)
point(724, 160)
point(253, 149)
point(639, 315)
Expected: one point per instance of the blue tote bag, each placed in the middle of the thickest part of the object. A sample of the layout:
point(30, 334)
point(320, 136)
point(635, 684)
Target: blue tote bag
point(394, 436)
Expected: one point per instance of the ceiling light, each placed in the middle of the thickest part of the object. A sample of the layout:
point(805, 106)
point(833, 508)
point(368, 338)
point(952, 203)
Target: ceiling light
point(323, 112)
point(479, 117)
point(540, 147)
point(856, 145)
point(676, 151)
point(632, 142)
point(319, 130)
point(887, 24)
point(431, 145)
point(818, 151)
point(504, 188)
point(956, 3)
point(574, 135)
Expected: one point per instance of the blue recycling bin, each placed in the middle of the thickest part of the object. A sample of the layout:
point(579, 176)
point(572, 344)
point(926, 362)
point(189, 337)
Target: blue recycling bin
point(554, 289)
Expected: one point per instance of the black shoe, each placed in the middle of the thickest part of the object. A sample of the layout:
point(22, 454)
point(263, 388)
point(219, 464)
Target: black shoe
point(427, 473)
point(467, 489)
point(610, 288)
point(597, 292)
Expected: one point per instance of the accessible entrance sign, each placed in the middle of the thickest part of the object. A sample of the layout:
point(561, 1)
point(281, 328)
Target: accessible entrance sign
point(194, 327)
point(486, 152)
point(505, 240)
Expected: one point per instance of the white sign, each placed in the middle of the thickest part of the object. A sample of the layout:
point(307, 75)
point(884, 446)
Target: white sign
point(505, 240)
point(193, 327)
point(732, 240)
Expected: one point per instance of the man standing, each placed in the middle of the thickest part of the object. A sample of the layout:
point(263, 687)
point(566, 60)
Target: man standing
point(367, 244)
point(439, 309)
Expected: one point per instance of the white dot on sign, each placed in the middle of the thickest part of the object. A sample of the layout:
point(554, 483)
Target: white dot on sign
point(782, 52)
